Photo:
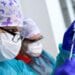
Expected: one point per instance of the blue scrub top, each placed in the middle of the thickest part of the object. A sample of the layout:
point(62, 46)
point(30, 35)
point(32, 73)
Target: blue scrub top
point(15, 67)
point(18, 67)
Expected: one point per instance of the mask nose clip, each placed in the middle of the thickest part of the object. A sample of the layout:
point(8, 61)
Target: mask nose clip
point(16, 38)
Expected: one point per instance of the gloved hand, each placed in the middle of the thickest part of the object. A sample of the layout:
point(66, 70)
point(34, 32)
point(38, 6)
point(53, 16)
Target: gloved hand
point(67, 39)
point(68, 68)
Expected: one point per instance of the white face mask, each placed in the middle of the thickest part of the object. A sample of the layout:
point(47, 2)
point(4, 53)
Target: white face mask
point(35, 49)
point(9, 48)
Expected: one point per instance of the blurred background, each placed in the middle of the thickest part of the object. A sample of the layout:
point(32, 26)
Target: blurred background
point(53, 17)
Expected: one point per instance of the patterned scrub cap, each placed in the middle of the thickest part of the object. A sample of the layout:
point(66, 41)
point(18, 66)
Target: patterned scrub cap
point(30, 28)
point(10, 13)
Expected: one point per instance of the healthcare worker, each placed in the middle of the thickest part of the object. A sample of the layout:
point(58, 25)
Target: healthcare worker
point(67, 49)
point(11, 21)
point(32, 48)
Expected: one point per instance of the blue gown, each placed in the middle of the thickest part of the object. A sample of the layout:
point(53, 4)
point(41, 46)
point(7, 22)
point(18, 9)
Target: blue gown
point(18, 67)
point(15, 67)
point(43, 65)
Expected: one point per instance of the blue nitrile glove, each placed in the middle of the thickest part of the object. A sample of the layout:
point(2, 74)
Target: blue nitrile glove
point(68, 68)
point(67, 39)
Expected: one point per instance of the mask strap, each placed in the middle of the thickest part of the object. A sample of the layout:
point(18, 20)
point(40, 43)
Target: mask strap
point(72, 46)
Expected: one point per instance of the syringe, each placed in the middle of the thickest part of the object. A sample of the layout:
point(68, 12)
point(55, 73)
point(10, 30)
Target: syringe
point(72, 46)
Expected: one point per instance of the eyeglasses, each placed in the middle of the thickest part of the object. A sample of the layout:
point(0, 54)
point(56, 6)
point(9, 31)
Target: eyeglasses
point(16, 36)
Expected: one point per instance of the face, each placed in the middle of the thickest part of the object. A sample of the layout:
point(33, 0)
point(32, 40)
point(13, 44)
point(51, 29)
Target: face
point(31, 47)
point(25, 44)
point(9, 39)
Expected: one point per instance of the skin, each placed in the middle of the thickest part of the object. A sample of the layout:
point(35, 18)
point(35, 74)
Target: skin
point(26, 42)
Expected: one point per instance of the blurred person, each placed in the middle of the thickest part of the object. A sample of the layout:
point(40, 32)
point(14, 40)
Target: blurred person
point(32, 51)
